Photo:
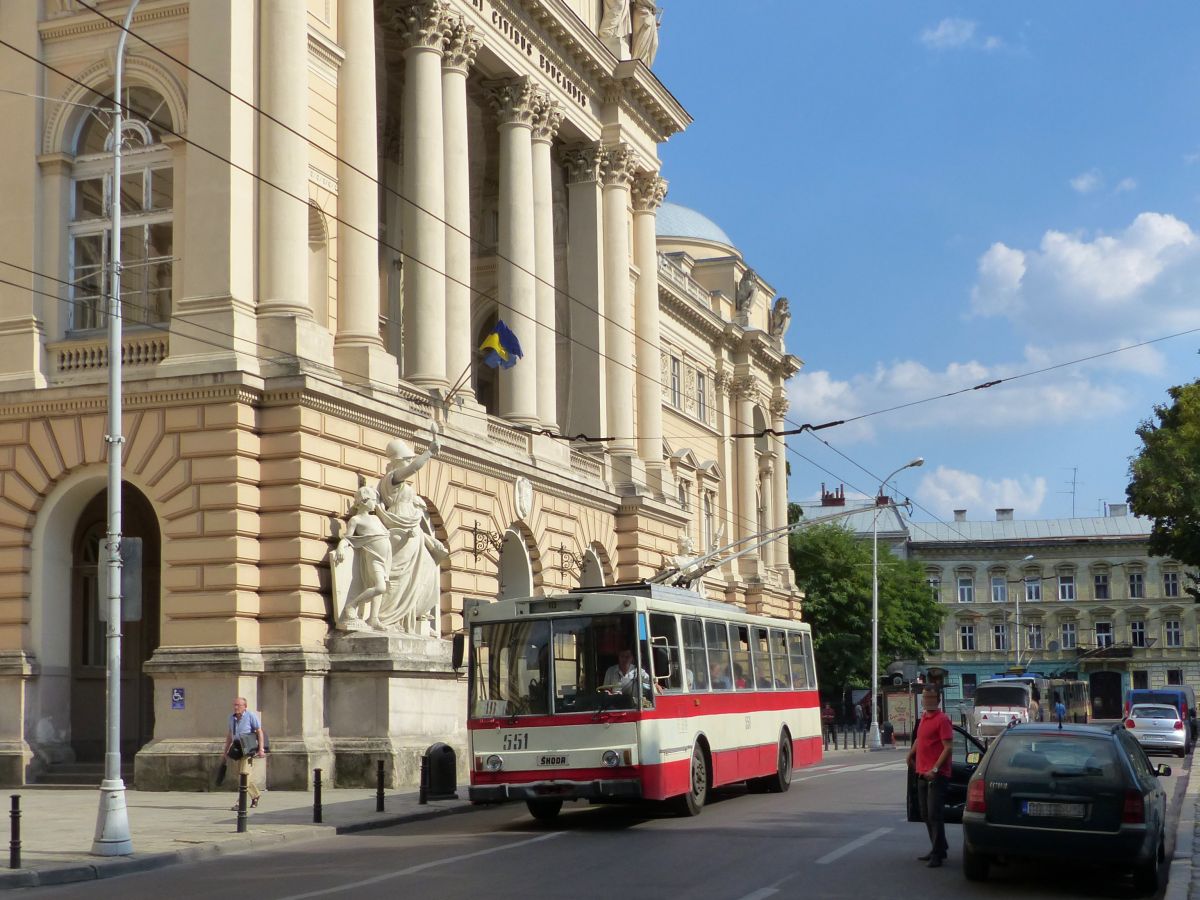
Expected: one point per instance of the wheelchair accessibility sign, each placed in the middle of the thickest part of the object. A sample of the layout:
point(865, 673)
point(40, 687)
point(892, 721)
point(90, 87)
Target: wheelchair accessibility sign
point(176, 698)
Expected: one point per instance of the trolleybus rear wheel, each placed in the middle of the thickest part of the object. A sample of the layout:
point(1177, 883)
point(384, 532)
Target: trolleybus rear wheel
point(544, 810)
point(782, 779)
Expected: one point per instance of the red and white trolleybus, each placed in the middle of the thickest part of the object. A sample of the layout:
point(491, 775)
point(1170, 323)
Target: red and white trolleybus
point(635, 692)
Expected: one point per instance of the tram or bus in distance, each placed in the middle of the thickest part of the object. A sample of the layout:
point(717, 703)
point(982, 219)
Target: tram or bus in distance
point(635, 692)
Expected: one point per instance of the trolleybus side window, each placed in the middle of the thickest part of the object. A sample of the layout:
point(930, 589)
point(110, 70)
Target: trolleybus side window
point(664, 638)
point(716, 636)
point(779, 659)
point(800, 680)
point(762, 661)
point(742, 670)
point(695, 661)
point(810, 661)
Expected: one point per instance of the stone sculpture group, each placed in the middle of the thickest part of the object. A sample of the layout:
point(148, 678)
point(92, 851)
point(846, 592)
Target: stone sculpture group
point(386, 566)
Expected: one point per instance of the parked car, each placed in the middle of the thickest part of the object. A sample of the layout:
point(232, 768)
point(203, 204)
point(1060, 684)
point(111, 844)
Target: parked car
point(1159, 729)
point(1079, 793)
point(965, 757)
point(1180, 696)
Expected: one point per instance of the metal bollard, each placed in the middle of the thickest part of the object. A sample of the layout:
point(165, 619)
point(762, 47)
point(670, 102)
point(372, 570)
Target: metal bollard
point(423, 792)
point(14, 844)
point(241, 811)
point(379, 786)
point(317, 795)
point(845, 738)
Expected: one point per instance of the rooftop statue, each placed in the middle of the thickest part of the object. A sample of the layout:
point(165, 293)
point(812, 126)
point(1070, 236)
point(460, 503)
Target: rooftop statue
point(746, 289)
point(614, 25)
point(781, 317)
point(646, 20)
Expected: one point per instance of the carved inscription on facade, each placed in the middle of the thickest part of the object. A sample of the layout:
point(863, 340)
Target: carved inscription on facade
point(521, 41)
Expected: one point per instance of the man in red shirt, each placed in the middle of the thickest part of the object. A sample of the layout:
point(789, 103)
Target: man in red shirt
point(930, 755)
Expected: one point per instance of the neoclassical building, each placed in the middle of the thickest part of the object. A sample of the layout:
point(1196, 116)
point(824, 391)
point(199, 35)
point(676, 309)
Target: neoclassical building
point(326, 207)
point(1089, 599)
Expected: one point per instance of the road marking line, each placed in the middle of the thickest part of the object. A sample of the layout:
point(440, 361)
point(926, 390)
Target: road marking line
point(852, 846)
point(760, 894)
point(412, 870)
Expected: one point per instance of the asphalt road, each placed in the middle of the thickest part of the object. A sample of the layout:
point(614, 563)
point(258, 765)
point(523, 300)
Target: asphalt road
point(839, 832)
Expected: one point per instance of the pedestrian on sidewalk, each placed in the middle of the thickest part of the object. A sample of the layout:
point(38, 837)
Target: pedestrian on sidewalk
point(245, 724)
point(930, 757)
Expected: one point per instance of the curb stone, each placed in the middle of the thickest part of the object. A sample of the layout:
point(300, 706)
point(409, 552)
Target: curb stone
point(1182, 868)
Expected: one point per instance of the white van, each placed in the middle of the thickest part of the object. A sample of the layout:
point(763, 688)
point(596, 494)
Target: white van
point(1000, 702)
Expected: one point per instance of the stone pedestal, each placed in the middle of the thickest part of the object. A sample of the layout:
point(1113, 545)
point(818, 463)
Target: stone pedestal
point(390, 697)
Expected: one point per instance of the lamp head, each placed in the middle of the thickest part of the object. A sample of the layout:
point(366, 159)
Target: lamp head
point(919, 461)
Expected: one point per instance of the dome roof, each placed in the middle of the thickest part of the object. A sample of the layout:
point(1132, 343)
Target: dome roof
point(678, 221)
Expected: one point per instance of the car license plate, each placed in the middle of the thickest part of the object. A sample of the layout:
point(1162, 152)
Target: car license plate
point(1054, 810)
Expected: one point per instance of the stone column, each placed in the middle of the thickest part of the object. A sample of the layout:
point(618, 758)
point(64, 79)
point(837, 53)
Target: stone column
point(587, 399)
point(616, 170)
point(358, 348)
point(779, 407)
point(458, 57)
point(648, 193)
point(747, 469)
point(766, 479)
point(545, 126)
point(516, 101)
point(286, 323)
point(421, 28)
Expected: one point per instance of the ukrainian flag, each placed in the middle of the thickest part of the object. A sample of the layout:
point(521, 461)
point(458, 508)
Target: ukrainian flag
point(501, 348)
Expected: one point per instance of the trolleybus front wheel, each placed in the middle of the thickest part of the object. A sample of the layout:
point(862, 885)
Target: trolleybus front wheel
point(782, 779)
point(544, 810)
point(692, 802)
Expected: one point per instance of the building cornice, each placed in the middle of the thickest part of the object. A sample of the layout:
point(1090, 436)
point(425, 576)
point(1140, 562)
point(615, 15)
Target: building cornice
point(86, 22)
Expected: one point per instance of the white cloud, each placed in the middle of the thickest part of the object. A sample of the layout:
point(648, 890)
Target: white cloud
point(1065, 394)
point(1088, 181)
point(1125, 184)
point(954, 34)
point(945, 489)
point(1098, 290)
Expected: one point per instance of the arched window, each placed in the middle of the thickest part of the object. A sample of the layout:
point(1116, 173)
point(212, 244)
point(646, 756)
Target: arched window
point(147, 193)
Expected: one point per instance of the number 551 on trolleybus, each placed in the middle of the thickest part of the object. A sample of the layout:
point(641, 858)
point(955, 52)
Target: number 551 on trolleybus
point(635, 692)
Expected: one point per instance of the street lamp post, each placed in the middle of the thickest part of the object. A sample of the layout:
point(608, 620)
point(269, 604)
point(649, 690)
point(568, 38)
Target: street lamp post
point(112, 820)
point(1017, 637)
point(873, 741)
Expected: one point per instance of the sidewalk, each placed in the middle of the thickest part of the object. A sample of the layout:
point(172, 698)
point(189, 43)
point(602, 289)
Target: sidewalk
point(58, 825)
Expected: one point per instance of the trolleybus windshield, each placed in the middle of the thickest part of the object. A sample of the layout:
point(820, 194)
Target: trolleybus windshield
point(1001, 695)
point(559, 665)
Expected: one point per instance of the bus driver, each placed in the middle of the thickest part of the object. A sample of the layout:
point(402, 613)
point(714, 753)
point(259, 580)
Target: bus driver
point(622, 677)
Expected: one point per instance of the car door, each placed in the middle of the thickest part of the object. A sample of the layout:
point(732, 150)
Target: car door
point(964, 760)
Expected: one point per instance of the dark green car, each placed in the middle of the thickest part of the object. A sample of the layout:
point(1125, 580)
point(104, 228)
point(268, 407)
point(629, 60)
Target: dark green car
point(1082, 792)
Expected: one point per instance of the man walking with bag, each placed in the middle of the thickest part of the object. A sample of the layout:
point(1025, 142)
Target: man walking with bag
point(247, 730)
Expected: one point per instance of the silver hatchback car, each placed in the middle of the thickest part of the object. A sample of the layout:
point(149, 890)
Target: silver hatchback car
point(1158, 728)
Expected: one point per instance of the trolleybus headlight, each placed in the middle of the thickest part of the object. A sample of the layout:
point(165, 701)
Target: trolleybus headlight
point(611, 758)
point(494, 763)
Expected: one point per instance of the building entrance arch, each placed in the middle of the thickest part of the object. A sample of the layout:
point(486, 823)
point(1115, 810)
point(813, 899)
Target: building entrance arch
point(516, 569)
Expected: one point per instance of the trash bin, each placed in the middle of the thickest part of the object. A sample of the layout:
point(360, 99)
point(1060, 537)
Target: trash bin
point(441, 764)
point(886, 734)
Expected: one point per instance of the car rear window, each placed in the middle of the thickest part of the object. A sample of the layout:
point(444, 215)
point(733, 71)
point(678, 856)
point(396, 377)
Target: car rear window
point(1020, 756)
point(1154, 712)
point(1001, 695)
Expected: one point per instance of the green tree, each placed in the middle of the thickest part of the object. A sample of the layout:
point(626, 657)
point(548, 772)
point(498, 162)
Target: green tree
point(833, 568)
point(1165, 478)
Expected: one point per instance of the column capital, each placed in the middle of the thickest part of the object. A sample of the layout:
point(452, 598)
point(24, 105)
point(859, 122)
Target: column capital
point(616, 165)
point(515, 100)
point(779, 407)
point(722, 381)
point(582, 162)
point(420, 24)
point(649, 191)
point(460, 46)
point(547, 119)
point(744, 387)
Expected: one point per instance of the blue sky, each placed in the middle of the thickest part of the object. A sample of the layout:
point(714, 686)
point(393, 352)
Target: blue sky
point(950, 194)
